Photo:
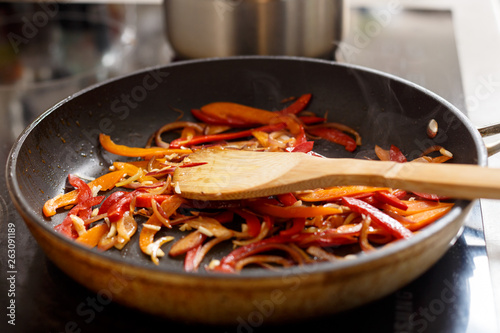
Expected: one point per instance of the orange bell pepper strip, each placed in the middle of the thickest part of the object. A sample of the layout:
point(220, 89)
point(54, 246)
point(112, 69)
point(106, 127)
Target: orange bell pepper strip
point(106, 182)
point(238, 111)
point(123, 150)
point(417, 221)
point(92, 236)
point(146, 237)
point(420, 220)
point(417, 206)
point(337, 192)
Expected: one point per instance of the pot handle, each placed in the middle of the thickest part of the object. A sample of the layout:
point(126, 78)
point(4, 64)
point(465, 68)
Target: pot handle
point(491, 130)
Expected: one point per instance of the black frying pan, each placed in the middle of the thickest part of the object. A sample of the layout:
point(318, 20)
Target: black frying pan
point(384, 109)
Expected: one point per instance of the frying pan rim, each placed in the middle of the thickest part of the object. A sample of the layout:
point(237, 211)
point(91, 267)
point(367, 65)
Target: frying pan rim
point(318, 268)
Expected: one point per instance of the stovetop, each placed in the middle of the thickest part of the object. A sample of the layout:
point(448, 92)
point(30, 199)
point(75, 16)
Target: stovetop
point(455, 295)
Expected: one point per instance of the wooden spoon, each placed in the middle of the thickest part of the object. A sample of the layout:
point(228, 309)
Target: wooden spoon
point(236, 174)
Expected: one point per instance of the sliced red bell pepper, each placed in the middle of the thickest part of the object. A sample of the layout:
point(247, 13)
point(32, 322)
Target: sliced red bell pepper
point(304, 147)
point(298, 105)
point(388, 223)
point(430, 196)
point(396, 155)
point(214, 120)
point(189, 259)
point(297, 227)
point(309, 120)
point(177, 143)
point(294, 211)
point(228, 263)
point(287, 199)
point(120, 206)
point(335, 136)
point(252, 221)
point(83, 208)
point(111, 200)
point(390, 199)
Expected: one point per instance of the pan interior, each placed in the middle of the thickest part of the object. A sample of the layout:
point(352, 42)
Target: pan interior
point(383, 109)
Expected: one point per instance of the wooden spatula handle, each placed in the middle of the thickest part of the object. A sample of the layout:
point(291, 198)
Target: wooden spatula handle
point(447, 179)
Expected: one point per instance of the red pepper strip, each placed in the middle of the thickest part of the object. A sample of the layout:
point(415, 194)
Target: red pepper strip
point(224, 217)
point(309, 120)
point(224, 136)
point(287, 199)
point(335, 136)
point(389, 198)
point(297, 106)
point(82, 208)
point(122, 150)
point(380, 218)
point(228, 262)
point(433, 197)
point(189, 264)
point(304, 147)
point(252, 221)
point(110, 201)
point(122, 205)
point(84, 191)
point(214, 120)
point(144, 199)
point(396, 155)
point(294, 211)
point(297, 227)
point(106, 182)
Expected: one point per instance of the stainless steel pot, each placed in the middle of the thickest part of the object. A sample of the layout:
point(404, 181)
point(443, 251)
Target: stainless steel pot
point(219, 28)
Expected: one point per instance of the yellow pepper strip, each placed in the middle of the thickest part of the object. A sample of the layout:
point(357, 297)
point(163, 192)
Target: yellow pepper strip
point(92, 236)
point(123, 150)
point(106, 182)
point(337, 192)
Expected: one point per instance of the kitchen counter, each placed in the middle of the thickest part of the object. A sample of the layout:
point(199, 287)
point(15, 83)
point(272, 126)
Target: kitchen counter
point(450, 47)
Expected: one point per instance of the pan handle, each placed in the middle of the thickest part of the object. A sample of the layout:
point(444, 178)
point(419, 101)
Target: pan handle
point(492, 147)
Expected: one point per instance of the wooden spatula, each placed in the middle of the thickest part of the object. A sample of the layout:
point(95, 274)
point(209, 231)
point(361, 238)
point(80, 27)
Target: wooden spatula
point(236, 174)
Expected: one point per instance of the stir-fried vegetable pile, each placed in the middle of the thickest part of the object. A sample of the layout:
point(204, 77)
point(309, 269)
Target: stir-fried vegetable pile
point(284, 230)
